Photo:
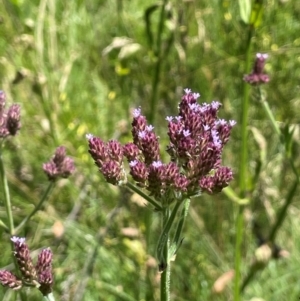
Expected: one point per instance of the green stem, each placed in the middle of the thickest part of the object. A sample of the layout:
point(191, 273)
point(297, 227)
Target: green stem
point(3, 226)
point(166, 273)
point(238, 253)
point(37, 207)
point(7, 202)
point(145, 196)
point(269, 113)
point(248, 278)
point(156, 77)
point(177, 237)
point(244, 124)
point(164, 237)
point(282, 213)
point(49, 297)
point(153, 104)
point(242, 169)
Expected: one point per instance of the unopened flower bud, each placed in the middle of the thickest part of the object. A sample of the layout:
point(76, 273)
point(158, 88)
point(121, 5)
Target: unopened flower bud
point(8, 279)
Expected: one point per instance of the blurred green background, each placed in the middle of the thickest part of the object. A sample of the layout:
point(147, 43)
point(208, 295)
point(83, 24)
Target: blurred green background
point(79, 67)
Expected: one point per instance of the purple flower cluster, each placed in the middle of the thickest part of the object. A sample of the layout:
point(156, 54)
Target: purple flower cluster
point(257, 76)
point(59, 166)
point(39, 275)
point(197, 137)
point(9, 119)
point(109, 158)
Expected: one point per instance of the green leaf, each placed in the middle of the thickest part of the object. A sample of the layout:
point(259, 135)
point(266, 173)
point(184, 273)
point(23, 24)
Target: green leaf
point(17, 3)
point(256, 13)
point(245, 10)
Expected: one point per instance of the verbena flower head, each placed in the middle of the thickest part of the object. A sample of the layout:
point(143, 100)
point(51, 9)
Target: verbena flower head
point(39, 276)
point(60, 165)
point(197, 137)
point(257, 76)
point(9, 119)
point(8, 279)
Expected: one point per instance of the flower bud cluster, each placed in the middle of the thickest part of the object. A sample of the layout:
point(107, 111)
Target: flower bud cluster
point(109, 159)
point(197, 137)
point(257, 76)
point(39, 276)
point(9, 119)
point(59, 166)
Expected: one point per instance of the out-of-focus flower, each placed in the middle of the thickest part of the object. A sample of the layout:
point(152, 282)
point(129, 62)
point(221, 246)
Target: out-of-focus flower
point(2, 101)
point(60, 166)
point(39, 276)
point(9, 119)
point(13, 119)
point(8, 279)
point(197, 137)
point(257, 76)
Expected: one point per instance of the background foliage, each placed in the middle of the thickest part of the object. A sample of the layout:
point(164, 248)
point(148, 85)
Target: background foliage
point(79, 67)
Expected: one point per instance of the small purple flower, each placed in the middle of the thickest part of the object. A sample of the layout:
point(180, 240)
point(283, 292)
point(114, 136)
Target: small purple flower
point(39, 276)
point(97, 149)
point(13, 119)
point(142, 134)
point(131, 151)
point(156, 164)
point(113, 172)
point(196, 95)
point(8, 279)
point(109, 158)
point(24, 260)
point(115, 151)
point(149, 128)
point(148, 144)
point(136, 112)
point(59, 166)
point(44, 260)
point(215, 183)
point(186, 133)
point(139, 172)
point(9, 119)
point(257, 76)
point(44, 270)
point(181, 183)
point(232, 123)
